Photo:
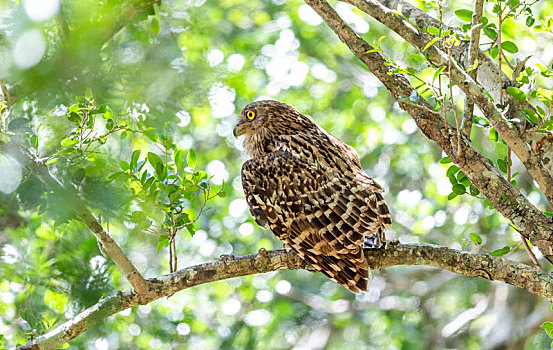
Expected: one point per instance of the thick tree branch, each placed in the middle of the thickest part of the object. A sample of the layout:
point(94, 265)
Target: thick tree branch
point(505, 198)
point(489, 74)
point(508, 133)
point(474, 265)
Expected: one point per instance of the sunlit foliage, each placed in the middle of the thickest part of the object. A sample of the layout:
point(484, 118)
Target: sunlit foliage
point(134, 106)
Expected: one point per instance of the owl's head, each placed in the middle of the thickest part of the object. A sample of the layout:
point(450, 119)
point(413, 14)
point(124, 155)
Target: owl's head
point(262, 120)
point(268, 117)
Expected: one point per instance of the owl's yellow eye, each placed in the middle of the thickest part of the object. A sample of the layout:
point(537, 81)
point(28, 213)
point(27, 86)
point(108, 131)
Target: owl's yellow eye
point(250, 115)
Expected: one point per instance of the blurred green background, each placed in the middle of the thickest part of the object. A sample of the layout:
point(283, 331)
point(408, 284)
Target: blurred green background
point(191, 65)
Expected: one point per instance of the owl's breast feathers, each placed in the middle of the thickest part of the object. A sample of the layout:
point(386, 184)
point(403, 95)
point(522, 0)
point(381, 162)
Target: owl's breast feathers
point(312, 193)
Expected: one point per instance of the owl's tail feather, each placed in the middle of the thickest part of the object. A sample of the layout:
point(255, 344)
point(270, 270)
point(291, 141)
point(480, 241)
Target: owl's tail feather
point(351, 271)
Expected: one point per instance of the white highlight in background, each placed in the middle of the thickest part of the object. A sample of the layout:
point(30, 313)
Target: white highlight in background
point(29, 49)
point(40, 10)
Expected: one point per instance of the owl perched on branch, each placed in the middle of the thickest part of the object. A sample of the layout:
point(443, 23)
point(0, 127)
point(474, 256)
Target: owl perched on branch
point(309, 188)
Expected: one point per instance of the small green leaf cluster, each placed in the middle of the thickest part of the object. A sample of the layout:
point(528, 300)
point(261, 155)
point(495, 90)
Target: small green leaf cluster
point(87, 135)
point(172, 184)
point(460, 183)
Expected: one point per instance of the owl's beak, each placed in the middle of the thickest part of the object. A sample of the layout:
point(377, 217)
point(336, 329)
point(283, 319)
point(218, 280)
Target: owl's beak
point(239, 130)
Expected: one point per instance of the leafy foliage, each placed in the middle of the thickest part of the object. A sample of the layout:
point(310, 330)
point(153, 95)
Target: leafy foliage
point(135, 114)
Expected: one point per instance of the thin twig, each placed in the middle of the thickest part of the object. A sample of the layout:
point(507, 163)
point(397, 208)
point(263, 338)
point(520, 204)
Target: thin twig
point(458, 150)
point(466, 125)
point(530, 252)
point(500, 23)
point(509, 165)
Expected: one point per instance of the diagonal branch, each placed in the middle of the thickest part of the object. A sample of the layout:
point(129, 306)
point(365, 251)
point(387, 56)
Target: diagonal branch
point(474, 265)
point(489, 69)
point(474, 92)
point(505, 198)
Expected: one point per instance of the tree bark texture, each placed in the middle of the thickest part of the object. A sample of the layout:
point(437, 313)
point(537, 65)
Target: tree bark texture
point(505, 198)
point(474, 265)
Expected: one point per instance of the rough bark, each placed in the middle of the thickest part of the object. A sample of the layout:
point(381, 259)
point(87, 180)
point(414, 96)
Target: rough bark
point(474, 265)
point(504, 197)
point(473, 91)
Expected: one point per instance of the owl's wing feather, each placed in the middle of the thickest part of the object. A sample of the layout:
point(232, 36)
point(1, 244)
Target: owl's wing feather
point(319, 213)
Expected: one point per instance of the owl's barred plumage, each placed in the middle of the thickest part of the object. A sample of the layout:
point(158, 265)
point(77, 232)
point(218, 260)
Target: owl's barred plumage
point(309, 188)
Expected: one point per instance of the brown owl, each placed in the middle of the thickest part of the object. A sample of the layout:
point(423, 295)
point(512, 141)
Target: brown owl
point(309, 188)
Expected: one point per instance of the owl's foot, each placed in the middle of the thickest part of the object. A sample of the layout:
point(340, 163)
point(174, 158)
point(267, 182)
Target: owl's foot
point(373, 243)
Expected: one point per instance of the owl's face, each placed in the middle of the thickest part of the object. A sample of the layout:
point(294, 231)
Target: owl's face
point(253, 118)
point(270, 117)
point(261, 121)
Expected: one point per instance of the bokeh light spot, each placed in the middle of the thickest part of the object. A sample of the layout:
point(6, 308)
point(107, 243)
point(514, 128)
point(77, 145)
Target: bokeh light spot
point(29, 49)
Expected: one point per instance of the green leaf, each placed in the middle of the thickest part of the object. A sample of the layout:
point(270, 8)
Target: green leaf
point(74, 108)
point(432, 30)
point(430, 43)
point(475, 238)
point(500, 251)
point(191, 158)
point(154, 26)
point(494, 136)
point(481, 121)
point(124, 165)
point(531, 115)
point(548, 327)
point(445, 160)
point(459, 189)
point(154, 160)
point(502, 165)
point(68, 142)
point(509, 46)
point(516, 93)
point(437, 73)
point(452, 170)
point(110, 124)
point(106, 110)
point(151, 135)
point(52, 161)
point(116, 175)
point(488, 203)
point(490, 33)
point(548, 125)
point(494, 51)
point(451, 196)
point(158, 165)
point(473, 190)
point(134, 159)
point(373, 50)
point(465, 15)
point(163, 241)
point(548, 214)
point(417, 58)
point(222, 194)
point(530, 21)
point(191, 229)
